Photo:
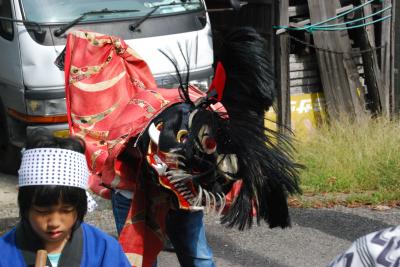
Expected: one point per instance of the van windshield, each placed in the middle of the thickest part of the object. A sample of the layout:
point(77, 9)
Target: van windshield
point(63, 11)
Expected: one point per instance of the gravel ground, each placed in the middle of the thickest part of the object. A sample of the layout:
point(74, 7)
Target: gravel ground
point(315, 238)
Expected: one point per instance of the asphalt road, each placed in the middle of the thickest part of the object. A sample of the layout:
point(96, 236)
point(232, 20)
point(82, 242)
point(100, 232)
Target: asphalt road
point(315, 238)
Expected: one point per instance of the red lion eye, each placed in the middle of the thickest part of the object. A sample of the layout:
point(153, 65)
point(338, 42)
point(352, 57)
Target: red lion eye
point(209, 144)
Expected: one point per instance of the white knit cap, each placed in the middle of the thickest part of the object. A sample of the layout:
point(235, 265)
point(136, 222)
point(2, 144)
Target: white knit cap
point(53, 166)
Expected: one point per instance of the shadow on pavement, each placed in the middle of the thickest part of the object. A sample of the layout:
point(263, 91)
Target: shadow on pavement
point(342, 225)
point(228, 250)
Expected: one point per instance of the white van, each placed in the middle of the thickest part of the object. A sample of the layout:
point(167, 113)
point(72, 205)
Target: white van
point(33, 34)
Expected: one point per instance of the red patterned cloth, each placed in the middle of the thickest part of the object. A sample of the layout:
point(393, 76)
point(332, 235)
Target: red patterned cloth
point(111, 97)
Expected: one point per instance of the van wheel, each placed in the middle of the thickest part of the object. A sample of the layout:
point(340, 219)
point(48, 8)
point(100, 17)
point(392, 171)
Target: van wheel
point(10, 155)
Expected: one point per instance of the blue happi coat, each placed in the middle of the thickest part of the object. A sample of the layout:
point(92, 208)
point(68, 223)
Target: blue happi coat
point(98, 249)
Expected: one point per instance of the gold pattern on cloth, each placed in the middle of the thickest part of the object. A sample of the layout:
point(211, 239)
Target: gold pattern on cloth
point(143, 104)
point(117, 179)
point(120, 140)
point(149, 109)
point(118, 46)
point(93, 38)
point(100, 86)
point(138, 83)
point(80, 73)
point(91, 119)
point(86, 131)
point(93, 158)
point(162, 100)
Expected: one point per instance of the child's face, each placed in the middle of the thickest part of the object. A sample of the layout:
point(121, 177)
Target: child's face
point(53, 224)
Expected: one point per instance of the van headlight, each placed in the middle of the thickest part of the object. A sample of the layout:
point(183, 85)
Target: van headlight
point(46, 107)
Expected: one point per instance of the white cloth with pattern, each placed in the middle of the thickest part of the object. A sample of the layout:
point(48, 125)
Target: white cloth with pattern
point(380, 249)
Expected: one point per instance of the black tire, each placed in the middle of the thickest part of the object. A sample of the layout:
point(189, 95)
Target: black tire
point(10, 155)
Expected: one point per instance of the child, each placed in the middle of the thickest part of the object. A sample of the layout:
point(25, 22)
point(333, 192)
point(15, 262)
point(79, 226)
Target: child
point(52, 204)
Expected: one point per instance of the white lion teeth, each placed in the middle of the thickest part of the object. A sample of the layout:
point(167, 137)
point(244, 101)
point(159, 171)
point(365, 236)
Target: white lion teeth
point(205, 200)
point(198, 200)
point(178, 180)
point(223, 203)
point(179, 185)
point(174, 158)
point(208, 203)
point(213, 200)
point(183, 190)
point(214, 203)
point(177, 176)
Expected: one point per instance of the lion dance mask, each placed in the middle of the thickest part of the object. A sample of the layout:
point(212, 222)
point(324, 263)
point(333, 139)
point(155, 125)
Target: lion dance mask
point(179, 148)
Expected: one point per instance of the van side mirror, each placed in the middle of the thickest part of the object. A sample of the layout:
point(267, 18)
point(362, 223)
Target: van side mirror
point(38, 32)
point(6, 29)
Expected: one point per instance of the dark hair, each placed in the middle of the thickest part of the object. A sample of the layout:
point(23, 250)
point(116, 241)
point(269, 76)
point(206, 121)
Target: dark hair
point(49, 195)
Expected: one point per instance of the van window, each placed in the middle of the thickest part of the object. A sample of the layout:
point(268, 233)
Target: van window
point(61, 11)
point(6, 27)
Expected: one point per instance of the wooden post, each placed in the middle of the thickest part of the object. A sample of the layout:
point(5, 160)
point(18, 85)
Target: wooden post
point(357, 90)
point(386, 62)
point(282, 66)
point(341, 83)
point(396, 54)
point(366, 40)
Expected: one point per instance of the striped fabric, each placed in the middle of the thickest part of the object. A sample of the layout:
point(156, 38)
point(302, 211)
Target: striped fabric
point(378, 249)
